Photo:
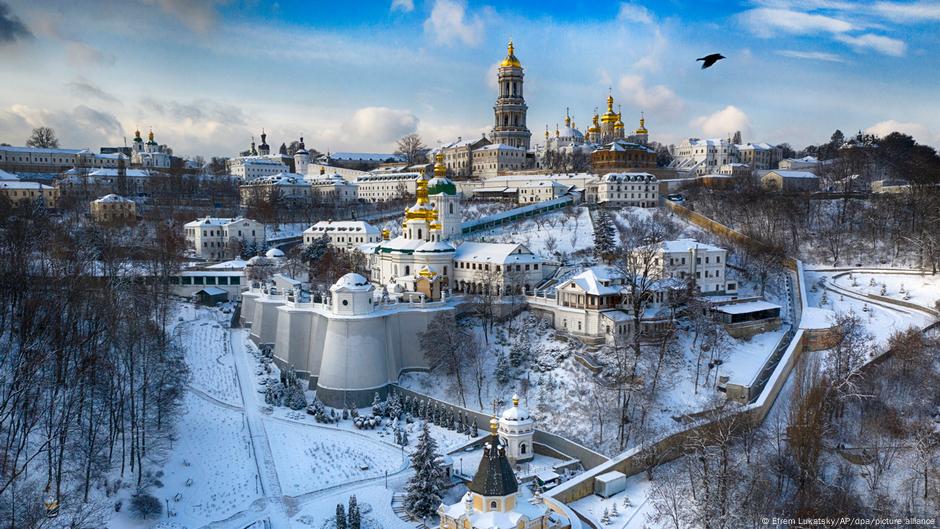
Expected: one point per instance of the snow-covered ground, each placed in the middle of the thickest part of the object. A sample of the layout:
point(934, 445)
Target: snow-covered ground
point(286, 229)
point(632, 505)
point(923, 290)
point(882, 320)
point(561, 231)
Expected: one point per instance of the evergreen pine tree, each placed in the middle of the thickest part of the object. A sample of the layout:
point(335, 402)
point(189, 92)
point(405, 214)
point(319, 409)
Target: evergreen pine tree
point(503, 368)
point(425, 487)
point(340, 516)
point(605, 519)
point(376, 405)
point(355, 517)
point(603, 235)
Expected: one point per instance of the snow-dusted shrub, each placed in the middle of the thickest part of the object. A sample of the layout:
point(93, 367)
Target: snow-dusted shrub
point(146, 506)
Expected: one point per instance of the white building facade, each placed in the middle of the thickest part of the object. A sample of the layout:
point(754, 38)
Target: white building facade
point(210, 237)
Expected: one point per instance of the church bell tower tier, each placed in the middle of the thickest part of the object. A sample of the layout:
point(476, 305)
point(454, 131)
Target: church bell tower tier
point(443, 194)
point(510, 109)
point(516, 429)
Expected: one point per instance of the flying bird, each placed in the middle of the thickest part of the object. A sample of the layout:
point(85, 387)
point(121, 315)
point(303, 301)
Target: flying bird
point(709, 60)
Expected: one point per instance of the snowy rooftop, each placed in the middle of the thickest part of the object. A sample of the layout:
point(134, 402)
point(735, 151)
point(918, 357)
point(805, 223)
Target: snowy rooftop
point(214, 221)
point(350, 226)
point(234, 264)
point(391, 177)
point(281, 179)
point(747, 307)
point(18, 184)
point(113, 198)
point(363, 156)
point(40, 150)
point(558, 177)
point(794, 174)
point(351, 282)
point(685, 245)
point(598, 280)
point(628, 177)
point(7, 176)
point(498, 147)
point(490, 252)
point(113, 172)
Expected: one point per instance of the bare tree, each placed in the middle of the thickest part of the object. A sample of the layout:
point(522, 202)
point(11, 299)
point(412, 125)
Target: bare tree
point(411, 148)
point(445, 347)
point(43, 137)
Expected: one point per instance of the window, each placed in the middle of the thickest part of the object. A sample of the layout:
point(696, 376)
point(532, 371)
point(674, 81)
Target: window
point(522, 448)
point(198, 280)
point(187, 280)
point(345, 302)
point(210, 280)
point(493, 505)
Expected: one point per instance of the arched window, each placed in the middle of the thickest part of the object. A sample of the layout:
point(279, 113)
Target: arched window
point(522, 448)
point(419, 233)
point(493, 505)
point(407, 270)
point(451, 208)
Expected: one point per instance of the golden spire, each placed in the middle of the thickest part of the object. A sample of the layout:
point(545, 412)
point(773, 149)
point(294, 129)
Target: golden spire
point(610, 116)
point(511, 61)
point(515, 400)
point(494, 425)
point(440, 170)
point(546, 132)
point(150, 135)
point(642, 129)
point(619, 123)
point(567, 118)
point(557, 134)
point(386, 234)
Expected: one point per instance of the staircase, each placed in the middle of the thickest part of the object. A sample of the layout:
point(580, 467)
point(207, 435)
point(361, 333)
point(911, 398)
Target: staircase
point(398, 507)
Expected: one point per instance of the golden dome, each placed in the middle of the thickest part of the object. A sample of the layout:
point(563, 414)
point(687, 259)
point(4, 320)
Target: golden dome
point(642, 129)
point(610, 116)
point(511, 61)
point(440, 170)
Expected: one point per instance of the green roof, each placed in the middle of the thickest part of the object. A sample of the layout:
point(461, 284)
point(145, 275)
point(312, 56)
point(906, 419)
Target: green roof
point(437, 186)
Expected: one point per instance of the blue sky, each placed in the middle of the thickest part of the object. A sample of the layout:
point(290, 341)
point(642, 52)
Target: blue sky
point(207, 75)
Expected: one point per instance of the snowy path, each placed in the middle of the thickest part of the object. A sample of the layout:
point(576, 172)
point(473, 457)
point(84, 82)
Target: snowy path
point(295, 508)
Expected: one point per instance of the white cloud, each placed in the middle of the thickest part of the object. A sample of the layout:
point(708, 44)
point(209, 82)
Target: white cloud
point(909, 12)
point(919, 131)
point(631, 12)
point(83, 53)
point(406, 6)
point(83, 88)
point(659, 99)
point(81, 127)
point(380, 125)
point(723, 123)
point(768, 22)
point(811, 55)
point(198, 15)
point(878, 43)
point(450, 22)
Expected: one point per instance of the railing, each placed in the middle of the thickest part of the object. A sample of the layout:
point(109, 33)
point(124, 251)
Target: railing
point(491, 221)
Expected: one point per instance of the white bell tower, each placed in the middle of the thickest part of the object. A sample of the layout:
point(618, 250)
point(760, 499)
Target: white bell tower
point(516, 429)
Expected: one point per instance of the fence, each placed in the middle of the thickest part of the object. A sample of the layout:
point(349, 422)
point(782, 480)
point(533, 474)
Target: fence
point(557, 444)
point(492, 221)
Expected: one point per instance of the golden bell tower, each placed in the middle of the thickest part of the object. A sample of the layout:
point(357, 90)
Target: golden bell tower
point(510, 109)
